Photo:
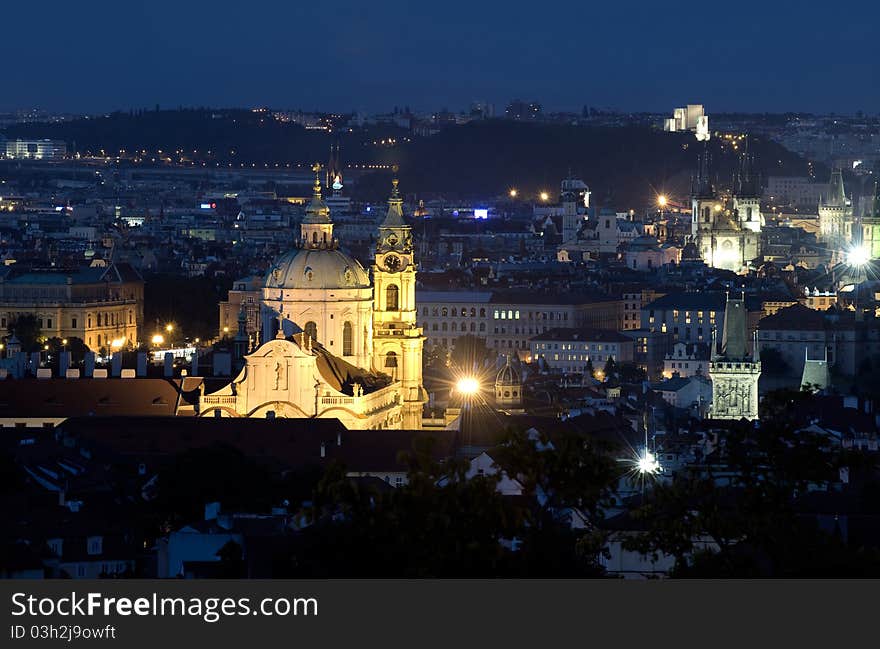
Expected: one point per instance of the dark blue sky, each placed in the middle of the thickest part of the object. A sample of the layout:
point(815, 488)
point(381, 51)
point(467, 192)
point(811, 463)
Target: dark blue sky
point(98, 55)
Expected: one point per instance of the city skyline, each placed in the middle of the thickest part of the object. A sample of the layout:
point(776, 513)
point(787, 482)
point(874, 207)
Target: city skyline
point(367, 59)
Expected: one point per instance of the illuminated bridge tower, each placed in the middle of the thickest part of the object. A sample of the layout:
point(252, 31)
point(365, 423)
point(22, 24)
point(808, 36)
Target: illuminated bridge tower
point(733, 370)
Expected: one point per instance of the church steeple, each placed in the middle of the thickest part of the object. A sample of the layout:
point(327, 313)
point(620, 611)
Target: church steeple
point(397, 339)
point(316, 230)
point(394, 216)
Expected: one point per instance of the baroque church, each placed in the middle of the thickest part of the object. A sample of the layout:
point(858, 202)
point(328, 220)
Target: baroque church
point(726, 230)
point(334, 343)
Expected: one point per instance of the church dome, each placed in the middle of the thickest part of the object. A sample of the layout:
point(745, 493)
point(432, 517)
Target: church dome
point(322, 268)
point(508, 375)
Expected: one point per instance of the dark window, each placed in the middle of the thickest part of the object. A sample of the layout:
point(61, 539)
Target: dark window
point(347, 339)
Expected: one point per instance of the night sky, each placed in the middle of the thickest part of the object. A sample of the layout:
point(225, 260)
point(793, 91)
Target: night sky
point(347, 55)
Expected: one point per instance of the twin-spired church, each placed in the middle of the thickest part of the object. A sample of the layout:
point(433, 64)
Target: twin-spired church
point(334, 344)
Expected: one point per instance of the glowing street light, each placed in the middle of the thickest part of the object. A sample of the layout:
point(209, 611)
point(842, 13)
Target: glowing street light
point(545, 196)
point(647, 463)
point(662, 200)
point(513, 193)
point(858, 256)
point(169, 327)
point(468, 386)
point(157, 339)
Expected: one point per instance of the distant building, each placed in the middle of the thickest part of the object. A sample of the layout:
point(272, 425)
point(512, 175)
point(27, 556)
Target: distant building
point(245, 292)
point(687, 359)
point(103, 305)
point(570, 350)
point(689, 118)
point(36, 149)
point(506, 320)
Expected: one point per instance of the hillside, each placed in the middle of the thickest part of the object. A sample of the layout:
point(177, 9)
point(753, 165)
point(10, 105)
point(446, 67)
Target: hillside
point(625, 166)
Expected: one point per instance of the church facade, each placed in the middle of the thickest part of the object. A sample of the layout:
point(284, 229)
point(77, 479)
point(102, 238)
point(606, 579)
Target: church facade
point(726, 230)
point(334, 343)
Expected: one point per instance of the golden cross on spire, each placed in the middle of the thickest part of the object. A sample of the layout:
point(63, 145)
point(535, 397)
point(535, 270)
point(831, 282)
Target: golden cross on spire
point(394, 182)
point(317, 169)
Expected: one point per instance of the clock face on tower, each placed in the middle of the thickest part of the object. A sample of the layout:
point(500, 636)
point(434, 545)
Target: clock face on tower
point(392, 263)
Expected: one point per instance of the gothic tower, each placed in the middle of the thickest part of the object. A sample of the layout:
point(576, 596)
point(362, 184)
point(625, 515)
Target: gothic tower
point(868, 232)
point(397, 340)
point(835, 216)
point(733, 370)
point(747, 195)
point(334, 170)
point(704, 200)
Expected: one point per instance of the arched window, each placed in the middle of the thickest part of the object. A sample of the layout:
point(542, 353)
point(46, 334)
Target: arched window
point(482, 313)
point(454, 326)
point(392, 295)
point(391, 359)
point(347, 339)
point(314, 237)
point(311, 330)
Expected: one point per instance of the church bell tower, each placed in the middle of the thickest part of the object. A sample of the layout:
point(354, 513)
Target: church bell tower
point(397, 340)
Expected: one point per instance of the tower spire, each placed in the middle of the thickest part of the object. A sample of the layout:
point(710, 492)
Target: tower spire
point(394, 217)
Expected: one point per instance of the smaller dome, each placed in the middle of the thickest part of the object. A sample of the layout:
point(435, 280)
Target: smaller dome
point(508, 375)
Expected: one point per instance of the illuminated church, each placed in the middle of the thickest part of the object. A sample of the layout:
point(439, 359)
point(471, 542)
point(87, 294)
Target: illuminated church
point(334, 344)
point(726, 230)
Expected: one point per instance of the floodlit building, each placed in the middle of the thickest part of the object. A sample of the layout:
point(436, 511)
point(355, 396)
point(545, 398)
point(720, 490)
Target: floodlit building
point(336, 345)
point(733, 369)
point(726, 231)
point(836, 216)
point(101, 305)
point(36, 149)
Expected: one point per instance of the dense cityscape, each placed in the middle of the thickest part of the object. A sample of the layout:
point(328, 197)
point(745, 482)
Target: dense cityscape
point(265, 342)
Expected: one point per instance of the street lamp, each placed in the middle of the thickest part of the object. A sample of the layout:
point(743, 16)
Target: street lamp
point(467, 386)
point(513, 193)
point(858, 256)
point(545, 196)
point(157, 339)
point(662, 200)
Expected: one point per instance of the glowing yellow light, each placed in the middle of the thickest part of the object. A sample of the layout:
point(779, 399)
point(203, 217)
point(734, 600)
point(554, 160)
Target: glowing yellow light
point(513, 193)
point(468, 385)
point(226, 330)
point(662, 200)
point(157, 339)
point(198, 340)
point(718, 207)
point(169, 327)
point(545, 196)
point(64, 341)
point(46, 347)
point(116, 343)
